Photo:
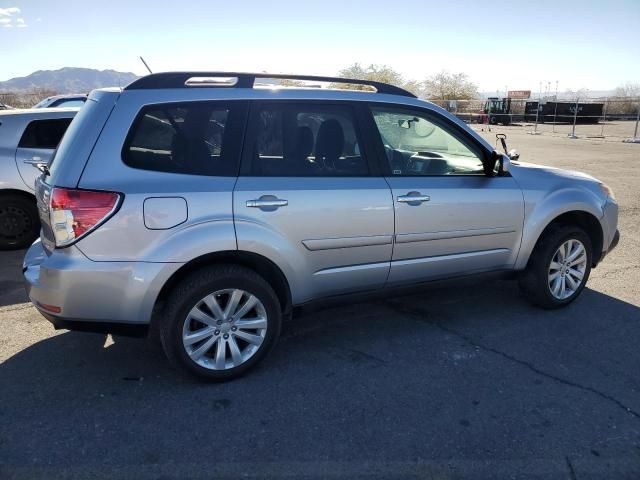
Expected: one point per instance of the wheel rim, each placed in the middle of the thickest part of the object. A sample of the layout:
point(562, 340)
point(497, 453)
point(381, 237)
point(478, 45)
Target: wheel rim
point(15, 223)
point(224, 329)
point(567, 268)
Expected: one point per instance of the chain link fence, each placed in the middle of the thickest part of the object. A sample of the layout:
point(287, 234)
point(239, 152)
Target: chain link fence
point(614, 119)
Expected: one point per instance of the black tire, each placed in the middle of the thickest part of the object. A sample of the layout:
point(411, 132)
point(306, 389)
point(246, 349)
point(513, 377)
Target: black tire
point(493, 120)
point(19, 222)
point(534, 281)
point(193, 289)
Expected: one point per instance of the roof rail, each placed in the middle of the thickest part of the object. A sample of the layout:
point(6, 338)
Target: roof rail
point(245, 80)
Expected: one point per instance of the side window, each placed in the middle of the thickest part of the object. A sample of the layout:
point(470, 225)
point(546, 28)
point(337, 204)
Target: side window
point(305, 140)
point(44, 134)
point(416, 145)
point(186, 138)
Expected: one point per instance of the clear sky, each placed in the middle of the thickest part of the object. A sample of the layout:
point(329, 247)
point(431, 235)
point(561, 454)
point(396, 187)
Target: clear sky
point(581, 44)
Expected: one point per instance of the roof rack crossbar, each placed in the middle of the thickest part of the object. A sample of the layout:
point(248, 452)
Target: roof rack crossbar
point(247, 80)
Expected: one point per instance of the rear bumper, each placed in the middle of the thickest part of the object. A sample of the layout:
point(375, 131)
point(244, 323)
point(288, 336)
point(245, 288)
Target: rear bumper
point(76, 293)
point(122, 329)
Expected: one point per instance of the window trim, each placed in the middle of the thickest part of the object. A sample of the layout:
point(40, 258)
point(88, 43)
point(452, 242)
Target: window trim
point(356, 112)
point(236, 127)
point(437, 119)
point(39, 121)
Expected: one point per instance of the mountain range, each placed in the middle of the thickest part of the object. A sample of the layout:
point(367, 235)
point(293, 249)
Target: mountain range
point(68, 80)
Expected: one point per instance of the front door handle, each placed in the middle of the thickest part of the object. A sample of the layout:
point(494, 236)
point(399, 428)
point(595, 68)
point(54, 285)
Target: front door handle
point(267, 201)
point(413, 198)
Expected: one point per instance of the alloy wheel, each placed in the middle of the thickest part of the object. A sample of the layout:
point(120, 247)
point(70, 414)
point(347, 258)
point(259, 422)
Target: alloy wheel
point(224, 329)
point(567, 269)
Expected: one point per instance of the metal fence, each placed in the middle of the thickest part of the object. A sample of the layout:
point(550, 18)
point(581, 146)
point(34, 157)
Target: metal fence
point(614, 119)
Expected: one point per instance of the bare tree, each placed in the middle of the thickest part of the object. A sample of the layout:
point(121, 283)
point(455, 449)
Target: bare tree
point(626, 98)
point(375, 73)
point(286, 82)
point(576, 95)
point(450, 86)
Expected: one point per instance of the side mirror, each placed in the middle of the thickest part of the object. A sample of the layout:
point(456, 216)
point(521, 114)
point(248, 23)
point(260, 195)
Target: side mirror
point(497, 165)
point(513, 154)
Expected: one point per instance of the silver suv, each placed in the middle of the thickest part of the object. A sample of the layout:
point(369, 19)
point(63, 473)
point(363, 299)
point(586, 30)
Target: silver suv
point(203, 207)
point(28, 138)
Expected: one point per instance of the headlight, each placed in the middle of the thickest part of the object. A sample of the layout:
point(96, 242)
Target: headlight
point(607, 191)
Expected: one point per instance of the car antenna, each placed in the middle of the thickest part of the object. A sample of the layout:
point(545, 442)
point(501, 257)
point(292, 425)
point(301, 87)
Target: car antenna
point(145, 64)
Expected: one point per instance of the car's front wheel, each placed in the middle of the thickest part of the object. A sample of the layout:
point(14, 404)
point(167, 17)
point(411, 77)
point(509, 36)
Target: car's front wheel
point(559, 267)
point(220, 322)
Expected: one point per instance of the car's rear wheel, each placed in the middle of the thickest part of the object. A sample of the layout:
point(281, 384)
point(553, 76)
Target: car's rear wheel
point(559, 267)
point(19, 222)
point(220, 322)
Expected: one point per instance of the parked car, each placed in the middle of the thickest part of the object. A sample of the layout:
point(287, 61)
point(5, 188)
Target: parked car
point(28, 138)
point(204, 208)
point(59, 101)
point(4, 106)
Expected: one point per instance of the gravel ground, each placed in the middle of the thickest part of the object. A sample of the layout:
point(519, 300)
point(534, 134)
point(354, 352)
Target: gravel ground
point(458, 380)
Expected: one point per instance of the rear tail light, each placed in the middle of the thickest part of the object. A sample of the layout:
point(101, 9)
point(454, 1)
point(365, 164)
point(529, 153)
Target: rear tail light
point(74, 213)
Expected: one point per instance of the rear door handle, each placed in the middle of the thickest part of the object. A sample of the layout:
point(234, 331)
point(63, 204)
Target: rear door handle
point(266, 203)
point(413, 198)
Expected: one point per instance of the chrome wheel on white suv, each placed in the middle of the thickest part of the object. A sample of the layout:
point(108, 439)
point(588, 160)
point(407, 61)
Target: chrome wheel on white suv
point(220, 321)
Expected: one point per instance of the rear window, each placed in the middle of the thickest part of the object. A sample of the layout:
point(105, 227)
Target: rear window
point(44, 133)
point(191, 138)
point(71, 103)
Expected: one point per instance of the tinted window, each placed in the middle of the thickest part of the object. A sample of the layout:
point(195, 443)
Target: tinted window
point(44, 133)
point(190, 139)
point(74, 103)
point(305, 140)
point(416, 144)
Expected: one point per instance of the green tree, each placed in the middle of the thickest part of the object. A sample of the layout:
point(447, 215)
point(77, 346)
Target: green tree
point(449, 86)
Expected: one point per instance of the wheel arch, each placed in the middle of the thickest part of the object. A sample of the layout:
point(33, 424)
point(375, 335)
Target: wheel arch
point(258, 263)
point(7, 192)
point(585, 220)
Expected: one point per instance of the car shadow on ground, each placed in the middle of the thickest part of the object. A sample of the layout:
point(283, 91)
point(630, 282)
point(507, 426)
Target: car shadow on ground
point(425, 375)
point(487, 311)
point(11, 285)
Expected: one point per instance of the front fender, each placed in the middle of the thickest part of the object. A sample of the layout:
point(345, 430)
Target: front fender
point(542, 207)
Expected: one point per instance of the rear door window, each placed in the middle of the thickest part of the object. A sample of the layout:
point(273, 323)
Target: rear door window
point(197, 138)
point(305, 140)
point(45, 134)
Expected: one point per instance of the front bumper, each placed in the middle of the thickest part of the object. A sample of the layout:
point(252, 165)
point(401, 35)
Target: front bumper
point(614, 242)
point(609, 221)
point(76, 293)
